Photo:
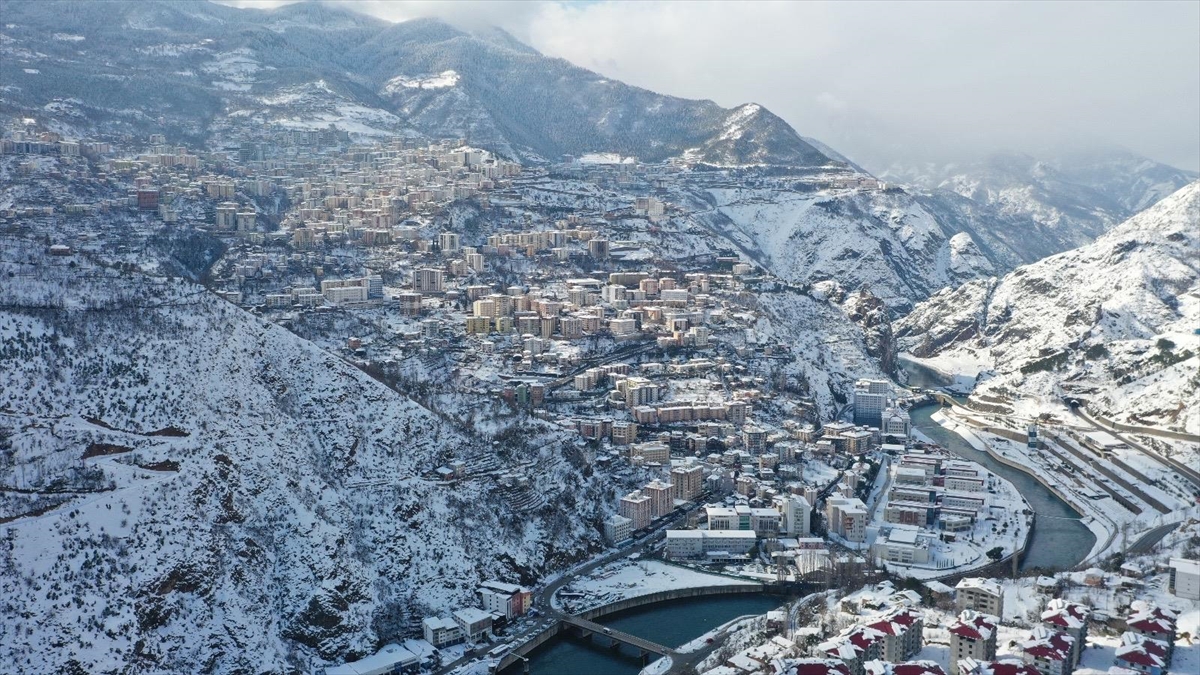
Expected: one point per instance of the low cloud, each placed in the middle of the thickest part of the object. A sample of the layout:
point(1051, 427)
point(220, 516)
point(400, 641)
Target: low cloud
point(893, 81)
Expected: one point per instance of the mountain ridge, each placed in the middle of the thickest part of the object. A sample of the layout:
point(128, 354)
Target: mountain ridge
point(508, 97)
point(1112, 316)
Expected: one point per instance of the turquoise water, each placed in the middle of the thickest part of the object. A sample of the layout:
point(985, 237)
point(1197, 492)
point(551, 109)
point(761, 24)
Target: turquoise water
point(1060, 540)
point(670, 623)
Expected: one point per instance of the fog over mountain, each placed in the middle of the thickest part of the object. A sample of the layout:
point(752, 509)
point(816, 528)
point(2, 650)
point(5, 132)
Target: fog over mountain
point(886, 82)
point(369, 338)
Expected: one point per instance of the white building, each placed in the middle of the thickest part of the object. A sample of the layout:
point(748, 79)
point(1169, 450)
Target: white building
point(795, 515)
point(449, 242)
point(675, 297)
point(441, 631)
point(618, 528)
point(1185, 578)
point(870, 400)
point(903, 544)
point(428, 280)
point(700, 543)
point(981, 595)
point(728, 518)
point(246, 220)
point(343, 291)
point(496, 601)
point(622, 326)
point(474, 622)
point(227, 215)
point(896, 422)
point(847, 517)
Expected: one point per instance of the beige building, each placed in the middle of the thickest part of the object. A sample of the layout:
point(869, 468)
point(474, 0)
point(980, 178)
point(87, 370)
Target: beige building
point(688, 482)
point(980, 595)
point(972, 636)
point(428, 280)
point(661, 501)
point(636, 507)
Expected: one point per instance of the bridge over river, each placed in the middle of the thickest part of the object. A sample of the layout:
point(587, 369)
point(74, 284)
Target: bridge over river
point(589, 628)
point(584, 625)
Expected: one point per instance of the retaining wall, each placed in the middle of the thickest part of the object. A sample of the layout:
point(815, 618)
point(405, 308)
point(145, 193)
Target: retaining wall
point(673, 594)
point(1149, 431)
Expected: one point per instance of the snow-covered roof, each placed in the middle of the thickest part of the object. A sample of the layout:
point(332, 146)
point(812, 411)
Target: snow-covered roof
point(876, 667)
point(1141, 651)
point(1001, 667)
point(1048, 645)
point(439, 623)
point(1186, 565)
point(1065, 614)
point(936, 586)
point(471, 615)
point(815, 667)
point(980, 584)
point(1147, 622)
point(502, 587)
point(384, 661)
point(974, 625)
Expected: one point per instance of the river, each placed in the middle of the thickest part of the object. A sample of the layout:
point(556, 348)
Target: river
point(670, 623)
point(1060, 540)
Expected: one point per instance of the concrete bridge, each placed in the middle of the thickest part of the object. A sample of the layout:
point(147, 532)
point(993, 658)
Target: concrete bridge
point(589, 628)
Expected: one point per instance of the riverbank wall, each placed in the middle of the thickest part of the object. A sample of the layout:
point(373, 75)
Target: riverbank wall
point(672, 594)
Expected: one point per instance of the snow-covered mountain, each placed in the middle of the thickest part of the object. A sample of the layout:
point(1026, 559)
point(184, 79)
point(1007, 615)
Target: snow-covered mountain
point(188, 67)
point(203, 489)
point(1074, 197)
point(1114, 322)
point(197, 482)
point(211, 74)
point(899, 246)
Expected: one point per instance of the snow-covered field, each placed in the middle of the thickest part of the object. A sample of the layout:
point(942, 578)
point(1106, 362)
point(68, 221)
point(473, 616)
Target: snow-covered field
point(631, 578)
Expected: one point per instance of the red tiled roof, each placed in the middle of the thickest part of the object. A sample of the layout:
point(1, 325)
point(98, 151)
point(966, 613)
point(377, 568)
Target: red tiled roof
point(1137, 655)
point(1152, 624)
point(817, 667)
point(917, 668)
point(974, 628)
point(1048, 646)
point(1010, 667)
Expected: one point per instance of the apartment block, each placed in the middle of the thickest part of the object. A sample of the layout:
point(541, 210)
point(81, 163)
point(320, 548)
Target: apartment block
point(972, 636)
point(636, 507)
point(981, 595)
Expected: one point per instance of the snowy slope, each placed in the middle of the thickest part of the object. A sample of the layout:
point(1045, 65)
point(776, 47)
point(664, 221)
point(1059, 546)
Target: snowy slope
point(187, 487)
point(886, 242)
point(1112, 321)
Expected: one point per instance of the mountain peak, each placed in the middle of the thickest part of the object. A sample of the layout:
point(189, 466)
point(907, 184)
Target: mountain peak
point(188, 65)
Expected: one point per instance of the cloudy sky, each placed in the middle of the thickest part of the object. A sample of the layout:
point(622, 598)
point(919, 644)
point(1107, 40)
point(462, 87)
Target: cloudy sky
point(889, 80)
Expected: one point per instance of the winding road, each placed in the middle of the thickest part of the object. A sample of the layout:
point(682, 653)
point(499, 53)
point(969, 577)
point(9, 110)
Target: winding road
point(545, 594)
point(1187, 472)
